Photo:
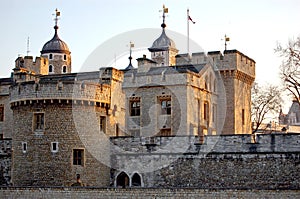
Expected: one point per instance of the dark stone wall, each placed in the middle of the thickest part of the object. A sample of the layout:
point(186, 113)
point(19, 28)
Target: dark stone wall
point(5, 162)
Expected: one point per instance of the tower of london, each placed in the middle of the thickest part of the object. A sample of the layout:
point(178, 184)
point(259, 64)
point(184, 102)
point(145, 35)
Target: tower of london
point(174, 120)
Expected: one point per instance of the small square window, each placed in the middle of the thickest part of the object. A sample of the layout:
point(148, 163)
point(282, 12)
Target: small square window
point(24, 147)
point(54, 147)
point(78, 156)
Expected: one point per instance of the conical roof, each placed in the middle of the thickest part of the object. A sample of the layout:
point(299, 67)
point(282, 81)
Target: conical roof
point(163, 42)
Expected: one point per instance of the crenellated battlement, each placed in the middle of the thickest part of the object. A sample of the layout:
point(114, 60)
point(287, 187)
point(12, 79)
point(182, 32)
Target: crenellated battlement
point(61, 89)
point(37, 66)
point(236, 144)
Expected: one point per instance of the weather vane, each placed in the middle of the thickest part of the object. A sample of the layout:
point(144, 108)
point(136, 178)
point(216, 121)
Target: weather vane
point(164, 10)
point(57, 14)
point(227, 39)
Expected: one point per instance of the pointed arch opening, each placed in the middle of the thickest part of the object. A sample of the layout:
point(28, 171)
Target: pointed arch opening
point(136, 180)
point(122, 180)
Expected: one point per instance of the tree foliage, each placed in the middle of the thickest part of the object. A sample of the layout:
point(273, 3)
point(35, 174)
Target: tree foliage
point(290, 67)
point(265, 101)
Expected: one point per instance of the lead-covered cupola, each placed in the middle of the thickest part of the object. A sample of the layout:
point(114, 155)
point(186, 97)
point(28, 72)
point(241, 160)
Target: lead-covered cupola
point(163, 49)
point(57, 51)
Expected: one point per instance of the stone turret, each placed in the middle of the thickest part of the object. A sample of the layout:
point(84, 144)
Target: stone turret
point(163, 49)
point(58, 53)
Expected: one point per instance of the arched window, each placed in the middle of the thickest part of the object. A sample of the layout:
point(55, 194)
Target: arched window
point(136, 180)
point(51, 69)
point(122, 180)
point(50, 56)
point(65, 57)
point(64, 69)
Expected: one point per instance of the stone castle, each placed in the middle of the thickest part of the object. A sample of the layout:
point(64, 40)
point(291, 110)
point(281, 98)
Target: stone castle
point(176, 120)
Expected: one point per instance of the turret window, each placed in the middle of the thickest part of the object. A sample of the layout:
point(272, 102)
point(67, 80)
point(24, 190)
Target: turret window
point(50, 56)
point(51, 69)
point(65, 57)
point(64, 69)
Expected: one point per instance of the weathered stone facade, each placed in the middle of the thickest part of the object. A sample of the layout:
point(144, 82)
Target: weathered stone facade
point(5, 111)
point(5, 162)
point(165, 124)
point(71, 107)
point(235, 161)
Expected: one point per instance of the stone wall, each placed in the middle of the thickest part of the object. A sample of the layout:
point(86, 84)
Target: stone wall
point(236, 161)
point(5, 162)
point(68, 126)
point(68, 192)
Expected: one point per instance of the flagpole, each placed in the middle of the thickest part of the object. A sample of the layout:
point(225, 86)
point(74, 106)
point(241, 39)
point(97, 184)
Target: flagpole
point(188, 33)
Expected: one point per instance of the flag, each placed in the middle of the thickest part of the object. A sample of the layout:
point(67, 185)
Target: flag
point(227, 39)
point(165, 10)
point(191, 19)
point(57, 13)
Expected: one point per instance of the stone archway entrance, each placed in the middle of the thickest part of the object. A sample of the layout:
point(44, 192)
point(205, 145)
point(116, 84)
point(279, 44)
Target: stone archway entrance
point(122, 180)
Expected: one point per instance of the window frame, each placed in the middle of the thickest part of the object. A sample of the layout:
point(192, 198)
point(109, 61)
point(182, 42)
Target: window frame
point(64, 69)
point(102, 124)
point(24, 147)
point(206, 110)
point(166, 106)
point(52, 69)
point(76, 160)
point(38, 123)
point(135, 110)
point(52, 147)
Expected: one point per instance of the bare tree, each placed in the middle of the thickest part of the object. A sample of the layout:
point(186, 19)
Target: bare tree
point(290, 67)
point(265, 101)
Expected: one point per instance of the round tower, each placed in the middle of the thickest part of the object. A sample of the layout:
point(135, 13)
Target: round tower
point(57, 52)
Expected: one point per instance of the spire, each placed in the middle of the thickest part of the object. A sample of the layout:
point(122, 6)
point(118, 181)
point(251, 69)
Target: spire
point(165, 10)
point(129, 67)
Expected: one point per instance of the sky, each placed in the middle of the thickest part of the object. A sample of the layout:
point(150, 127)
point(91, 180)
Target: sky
point(254, 27)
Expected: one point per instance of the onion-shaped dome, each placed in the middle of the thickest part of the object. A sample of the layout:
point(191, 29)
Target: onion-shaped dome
point(55, 45)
